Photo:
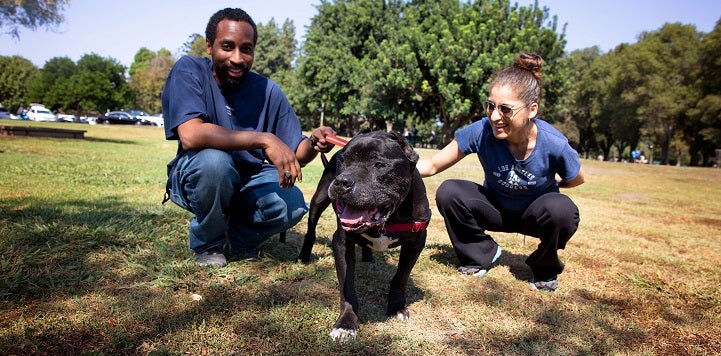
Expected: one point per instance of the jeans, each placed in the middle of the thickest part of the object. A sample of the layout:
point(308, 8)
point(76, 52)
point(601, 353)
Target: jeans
point(232, 210)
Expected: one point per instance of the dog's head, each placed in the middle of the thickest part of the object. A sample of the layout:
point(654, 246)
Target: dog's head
point(374, 174)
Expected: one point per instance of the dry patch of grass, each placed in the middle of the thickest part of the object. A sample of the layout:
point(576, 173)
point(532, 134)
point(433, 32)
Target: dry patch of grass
point(92, 263)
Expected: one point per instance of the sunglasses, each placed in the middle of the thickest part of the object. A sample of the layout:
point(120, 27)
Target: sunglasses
point(503, 109)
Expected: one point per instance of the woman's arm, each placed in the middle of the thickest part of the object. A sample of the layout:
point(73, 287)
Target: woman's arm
point(573, 182)
point(442, 160)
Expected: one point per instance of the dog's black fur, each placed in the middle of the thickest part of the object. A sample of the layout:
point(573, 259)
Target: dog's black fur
point(373, 183)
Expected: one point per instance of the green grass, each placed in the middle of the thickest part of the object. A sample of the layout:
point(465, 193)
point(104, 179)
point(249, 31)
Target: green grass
point(91, 262)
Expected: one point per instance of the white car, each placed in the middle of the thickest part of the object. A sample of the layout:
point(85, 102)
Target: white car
point(41, 113)
point(156, 119)
point(66, 118)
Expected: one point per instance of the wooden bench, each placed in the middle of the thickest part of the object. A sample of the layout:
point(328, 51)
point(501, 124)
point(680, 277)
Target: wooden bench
point(10, 130)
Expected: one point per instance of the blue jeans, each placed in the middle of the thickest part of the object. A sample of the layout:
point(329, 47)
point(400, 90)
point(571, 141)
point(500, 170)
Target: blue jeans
point(232, 210)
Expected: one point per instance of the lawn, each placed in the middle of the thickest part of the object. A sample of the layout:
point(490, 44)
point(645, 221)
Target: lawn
point(92, 262)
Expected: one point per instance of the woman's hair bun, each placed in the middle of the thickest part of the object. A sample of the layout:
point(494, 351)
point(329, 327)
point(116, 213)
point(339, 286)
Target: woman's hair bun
point(530, 62)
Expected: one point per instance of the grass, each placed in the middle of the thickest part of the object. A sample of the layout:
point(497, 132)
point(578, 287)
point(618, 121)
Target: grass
point(91, 262)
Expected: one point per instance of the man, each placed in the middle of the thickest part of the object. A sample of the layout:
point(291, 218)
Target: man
point(240, 145)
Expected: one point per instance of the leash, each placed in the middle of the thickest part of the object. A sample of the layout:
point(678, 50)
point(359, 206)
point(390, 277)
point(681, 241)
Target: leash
point(340, 142)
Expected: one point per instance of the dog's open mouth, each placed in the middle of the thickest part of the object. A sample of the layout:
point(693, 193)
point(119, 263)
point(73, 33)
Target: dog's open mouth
point(357, 220)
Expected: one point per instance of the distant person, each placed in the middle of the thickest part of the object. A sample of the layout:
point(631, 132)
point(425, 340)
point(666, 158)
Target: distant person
point(521, 156)
point(240, 147)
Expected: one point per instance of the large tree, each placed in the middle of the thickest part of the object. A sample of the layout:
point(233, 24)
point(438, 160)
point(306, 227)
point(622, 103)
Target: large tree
point(422, 60)
point(15, 73)
point(147, 77)
point(581, 98)
point(704, 127)
point(660, 70)
point(31, 14)
point(332, 68)
point(194, 46)
point(52, 86)
point(275, 51)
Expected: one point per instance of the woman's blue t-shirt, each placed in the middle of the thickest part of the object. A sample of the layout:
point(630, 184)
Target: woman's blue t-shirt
point(516, 183)
point(257, 105)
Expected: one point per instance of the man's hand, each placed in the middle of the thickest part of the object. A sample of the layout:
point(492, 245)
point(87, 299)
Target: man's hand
point(308, 149)
point(318, 141)
point(285, 161)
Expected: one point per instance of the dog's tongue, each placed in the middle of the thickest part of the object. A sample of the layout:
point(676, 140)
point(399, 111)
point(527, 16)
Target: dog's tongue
point(353, 219)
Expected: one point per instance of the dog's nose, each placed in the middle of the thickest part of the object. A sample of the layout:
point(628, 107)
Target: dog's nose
point(344, 183)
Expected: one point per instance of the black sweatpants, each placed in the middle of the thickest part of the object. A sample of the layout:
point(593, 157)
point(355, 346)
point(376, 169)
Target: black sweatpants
point(469, 209)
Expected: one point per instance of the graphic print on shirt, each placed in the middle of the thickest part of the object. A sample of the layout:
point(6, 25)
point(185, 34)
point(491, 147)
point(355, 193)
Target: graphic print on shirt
point(514, 177)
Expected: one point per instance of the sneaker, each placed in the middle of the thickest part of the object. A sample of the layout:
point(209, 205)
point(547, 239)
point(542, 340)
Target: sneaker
point(478, 271)
point(548, 286)
point(212, 257)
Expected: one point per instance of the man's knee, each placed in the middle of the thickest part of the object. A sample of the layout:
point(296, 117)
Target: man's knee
point(213, 164)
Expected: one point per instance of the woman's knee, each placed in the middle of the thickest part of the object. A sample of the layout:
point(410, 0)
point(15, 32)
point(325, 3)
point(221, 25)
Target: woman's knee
point(449, 191)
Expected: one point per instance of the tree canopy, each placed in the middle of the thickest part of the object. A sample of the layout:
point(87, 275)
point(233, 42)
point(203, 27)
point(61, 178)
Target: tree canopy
point(31, 14)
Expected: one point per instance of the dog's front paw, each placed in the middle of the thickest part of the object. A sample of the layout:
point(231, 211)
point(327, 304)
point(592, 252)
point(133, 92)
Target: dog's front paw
point(343, 335)
point(402, 314)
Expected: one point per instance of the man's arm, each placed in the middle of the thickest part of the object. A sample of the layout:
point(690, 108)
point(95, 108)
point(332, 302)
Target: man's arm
point(308, 149)
point(196, 135)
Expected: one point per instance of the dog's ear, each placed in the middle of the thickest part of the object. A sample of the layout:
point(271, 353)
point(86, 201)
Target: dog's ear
point(405, 146)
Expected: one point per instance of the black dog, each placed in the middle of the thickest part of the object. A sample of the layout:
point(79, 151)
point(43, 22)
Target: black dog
point(380, 202)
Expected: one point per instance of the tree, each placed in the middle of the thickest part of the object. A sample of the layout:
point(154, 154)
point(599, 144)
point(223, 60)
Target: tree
point(30, 14)
point(581, 97)
point(340, 37)
point(194, 46)
point(705, 136)
point(450, 49)
point(52, 85)
point(275, 51)
point(147, 77)
point(15, 73)
point(662, 83)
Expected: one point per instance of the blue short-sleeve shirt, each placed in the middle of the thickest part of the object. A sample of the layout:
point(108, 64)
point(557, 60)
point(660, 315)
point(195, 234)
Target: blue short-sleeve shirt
point(516, 183)
point(257, 105)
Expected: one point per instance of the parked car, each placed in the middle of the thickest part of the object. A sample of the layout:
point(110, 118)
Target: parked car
point(140, 115)
point(38, 112)
point(118, 117)
point(67, 118)
point(5, 113)
point(156, 119)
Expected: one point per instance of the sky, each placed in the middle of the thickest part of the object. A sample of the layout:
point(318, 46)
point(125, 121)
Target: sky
point(119, 28)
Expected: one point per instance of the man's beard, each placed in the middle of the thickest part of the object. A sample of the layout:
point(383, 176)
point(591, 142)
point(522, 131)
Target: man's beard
point(229, 82)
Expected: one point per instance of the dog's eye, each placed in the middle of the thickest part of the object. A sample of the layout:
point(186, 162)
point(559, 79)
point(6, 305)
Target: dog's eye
point(379, 164)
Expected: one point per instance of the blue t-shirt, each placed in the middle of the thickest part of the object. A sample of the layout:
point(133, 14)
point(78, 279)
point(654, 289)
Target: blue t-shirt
point(517, 183)
point(257, 105)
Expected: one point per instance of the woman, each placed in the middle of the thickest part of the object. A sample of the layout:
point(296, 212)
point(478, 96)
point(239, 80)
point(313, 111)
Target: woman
point(525, 161)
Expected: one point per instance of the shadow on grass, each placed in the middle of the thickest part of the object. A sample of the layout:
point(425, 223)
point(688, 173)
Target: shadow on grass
point(104, 276)
point(372, 280)
point(109, 140)
point(444, 255)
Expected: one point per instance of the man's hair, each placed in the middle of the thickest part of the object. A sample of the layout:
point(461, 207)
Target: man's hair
point(232, 15)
